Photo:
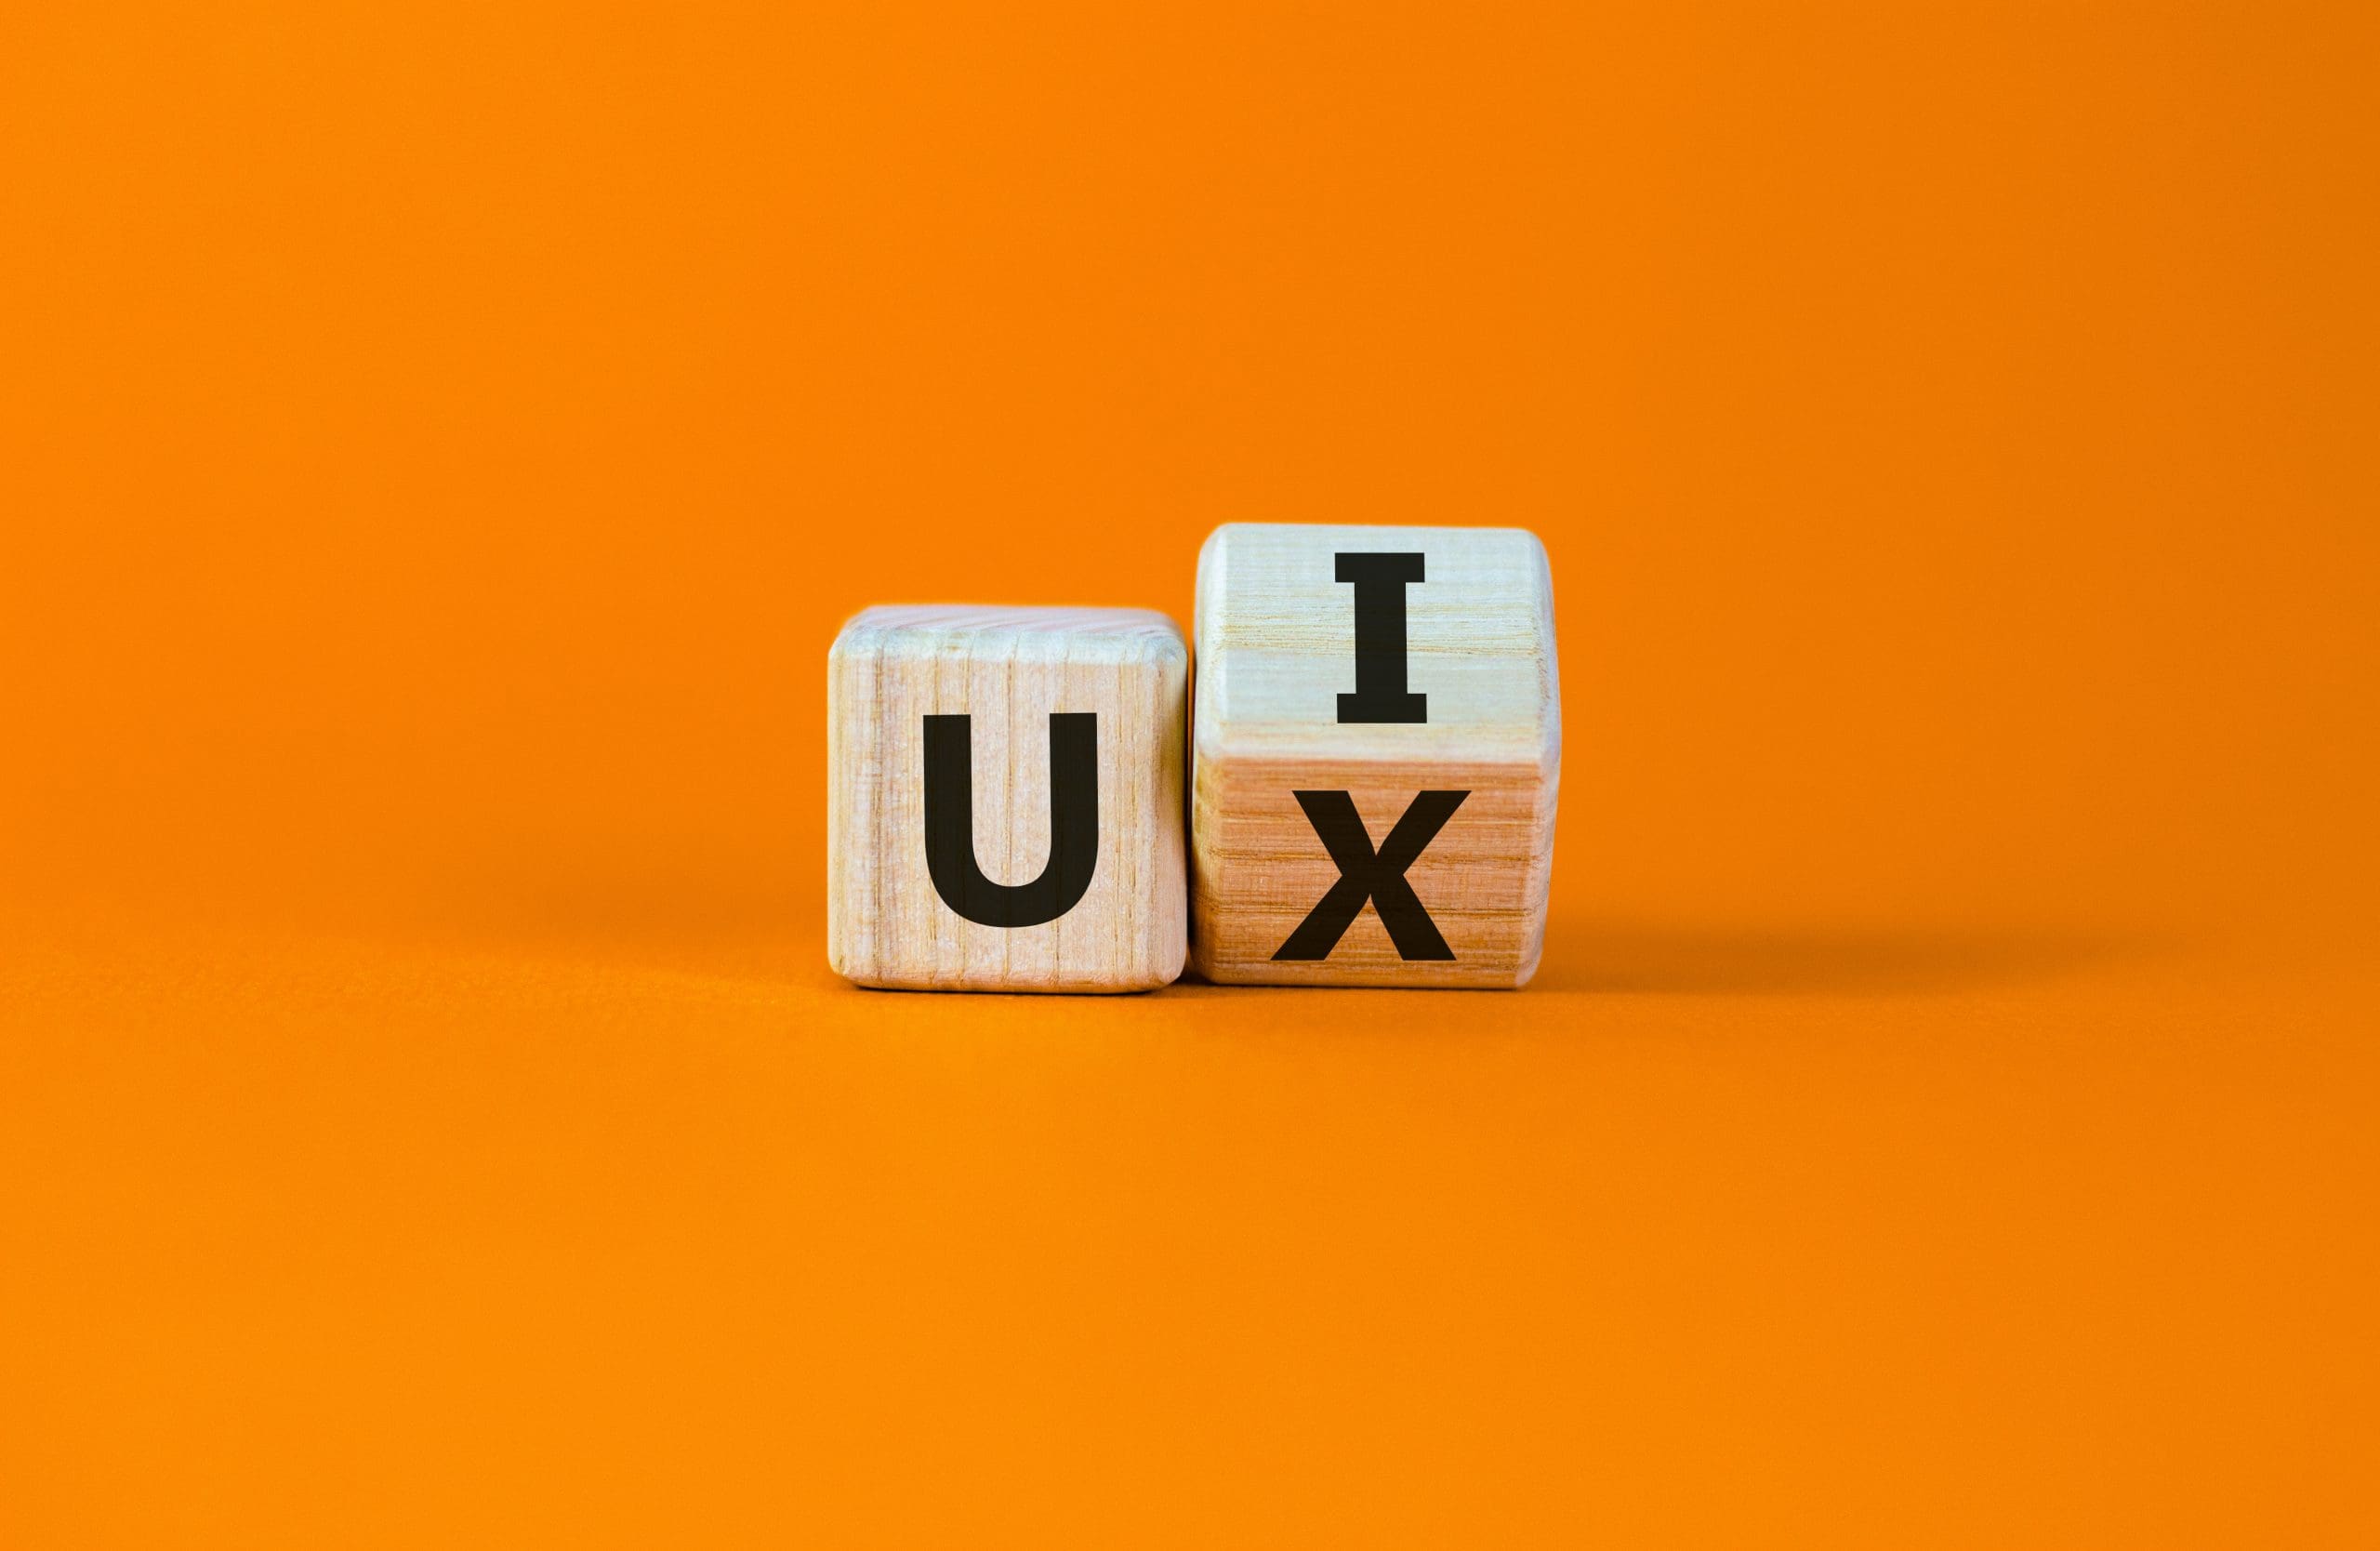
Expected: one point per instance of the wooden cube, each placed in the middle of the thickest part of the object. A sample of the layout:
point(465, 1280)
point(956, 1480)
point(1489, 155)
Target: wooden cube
point(1004, 798)
point(1376, 753)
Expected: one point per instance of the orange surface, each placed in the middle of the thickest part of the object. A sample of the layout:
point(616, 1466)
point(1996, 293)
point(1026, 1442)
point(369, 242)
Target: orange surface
point(438, 441)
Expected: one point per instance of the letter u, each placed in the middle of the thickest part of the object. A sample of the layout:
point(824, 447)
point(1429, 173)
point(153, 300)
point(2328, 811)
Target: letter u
point(1074, 824)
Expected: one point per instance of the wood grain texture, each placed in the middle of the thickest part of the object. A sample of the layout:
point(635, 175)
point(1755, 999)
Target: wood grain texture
point(1008, 670)
point(1276, 648)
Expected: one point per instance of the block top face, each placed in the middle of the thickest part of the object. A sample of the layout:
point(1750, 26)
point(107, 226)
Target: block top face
point(1116, 636)
point(1276, 645)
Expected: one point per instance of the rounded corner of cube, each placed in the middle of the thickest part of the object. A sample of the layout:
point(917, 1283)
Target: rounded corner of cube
point(1172, 643)
point(1171, 968)
point(857, 635)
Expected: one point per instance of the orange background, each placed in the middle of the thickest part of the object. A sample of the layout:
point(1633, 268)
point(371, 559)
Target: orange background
point(438, 441)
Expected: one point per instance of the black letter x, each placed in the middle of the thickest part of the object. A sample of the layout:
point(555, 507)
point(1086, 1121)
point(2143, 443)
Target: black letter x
point(1379, 877)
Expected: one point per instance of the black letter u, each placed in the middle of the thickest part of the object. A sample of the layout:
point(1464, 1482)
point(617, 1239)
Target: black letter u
point(1074, 824)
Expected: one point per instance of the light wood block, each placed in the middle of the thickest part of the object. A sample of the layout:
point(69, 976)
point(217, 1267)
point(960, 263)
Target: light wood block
point(1470, 704)
point(1069, 712)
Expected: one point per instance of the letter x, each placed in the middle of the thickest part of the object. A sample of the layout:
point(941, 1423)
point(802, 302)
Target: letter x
point(1379, 877)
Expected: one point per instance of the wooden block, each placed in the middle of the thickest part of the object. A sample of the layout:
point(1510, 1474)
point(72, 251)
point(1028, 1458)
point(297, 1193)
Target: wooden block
point(960, 740)
point(1376, 750)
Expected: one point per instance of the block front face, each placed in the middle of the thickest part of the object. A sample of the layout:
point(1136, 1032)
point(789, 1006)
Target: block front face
point(1076, 715)
point(1345, 675)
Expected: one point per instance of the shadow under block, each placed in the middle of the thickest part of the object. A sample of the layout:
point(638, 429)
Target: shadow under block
point(1469, 701)
point(1035, 845)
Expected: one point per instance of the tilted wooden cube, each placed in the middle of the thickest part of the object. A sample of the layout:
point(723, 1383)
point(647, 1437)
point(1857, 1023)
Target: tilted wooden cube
point(1004, 798)
point(1376, 751)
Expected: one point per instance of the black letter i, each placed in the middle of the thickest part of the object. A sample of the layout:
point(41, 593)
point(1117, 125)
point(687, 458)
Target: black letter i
point(1380, 692)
